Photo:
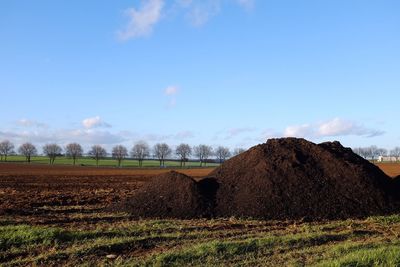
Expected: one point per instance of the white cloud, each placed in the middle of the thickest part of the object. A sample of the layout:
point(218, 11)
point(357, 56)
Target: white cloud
point(150, 137)
point(199, 16)
point(171, 90)
point(199, 12)
point(88, 137)
point(31, 123)
point(64, 136)
point(95, 122)
point(269, 133)
point(303, 130)
point(142, 20)
point(331, 128)
point(338, 126)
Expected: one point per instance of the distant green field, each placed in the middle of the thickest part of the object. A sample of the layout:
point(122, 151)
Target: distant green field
point(107, 162)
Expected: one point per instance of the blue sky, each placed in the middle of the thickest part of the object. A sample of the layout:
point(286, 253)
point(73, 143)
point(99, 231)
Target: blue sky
point(220, 72)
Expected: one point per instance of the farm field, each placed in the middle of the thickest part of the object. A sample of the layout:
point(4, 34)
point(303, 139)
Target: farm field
point(63, 215)
point(390, 168)
point(107, 162)
point(40, 170)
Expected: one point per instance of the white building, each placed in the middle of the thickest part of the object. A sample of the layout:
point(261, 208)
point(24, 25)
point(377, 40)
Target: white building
point(386, 159)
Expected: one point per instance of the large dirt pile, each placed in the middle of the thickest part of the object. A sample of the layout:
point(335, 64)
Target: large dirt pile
point(173, 195)
point(293, 178)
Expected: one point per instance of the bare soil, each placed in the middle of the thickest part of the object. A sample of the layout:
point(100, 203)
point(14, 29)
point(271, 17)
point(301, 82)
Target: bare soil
point(43, 192)
point(390, 168)
point(169, 195)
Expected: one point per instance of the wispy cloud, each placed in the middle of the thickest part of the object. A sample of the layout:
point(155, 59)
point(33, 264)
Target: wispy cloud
point(31, 123)
point(201, 11)
point(171, 92)
point(184, 135)
point(95, 122)
point(142, 20)
point(331, 128)
point(304, 130)
point(179, 136)
point(63, 136)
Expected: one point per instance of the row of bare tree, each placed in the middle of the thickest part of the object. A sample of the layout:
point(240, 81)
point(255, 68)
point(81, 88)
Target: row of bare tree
point(373, 152)
point(140, 151)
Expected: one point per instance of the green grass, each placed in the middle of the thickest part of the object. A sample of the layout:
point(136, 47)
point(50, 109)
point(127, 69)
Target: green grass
point(108, 162)
point(218, 242)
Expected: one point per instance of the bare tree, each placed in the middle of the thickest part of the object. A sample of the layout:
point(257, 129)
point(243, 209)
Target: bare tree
point(373, 152)
point(203, 153)
point(28, 150)
point(364, 152)
point(183, 151)
point(140, 151)
point(222, 153)
point(238, 151)
point(382, 152)
point(395, 152)
point(74, 151)
point(52, 151)
point(97, 152)
point(119, 153)
point(6, 148)
point(161, 151)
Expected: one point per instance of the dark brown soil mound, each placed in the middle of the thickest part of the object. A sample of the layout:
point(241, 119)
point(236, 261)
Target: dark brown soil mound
point(293, 178)
point(173, 195)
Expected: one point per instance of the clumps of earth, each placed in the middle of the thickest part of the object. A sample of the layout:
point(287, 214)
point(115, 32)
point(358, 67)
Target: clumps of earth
point(287, 178)
point(174, 195)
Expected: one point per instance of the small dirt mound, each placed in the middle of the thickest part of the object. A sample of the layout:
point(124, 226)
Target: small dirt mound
point(293, 178)
point(171, 195)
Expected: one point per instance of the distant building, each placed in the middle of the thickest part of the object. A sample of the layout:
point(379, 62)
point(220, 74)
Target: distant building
point(386, 159)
